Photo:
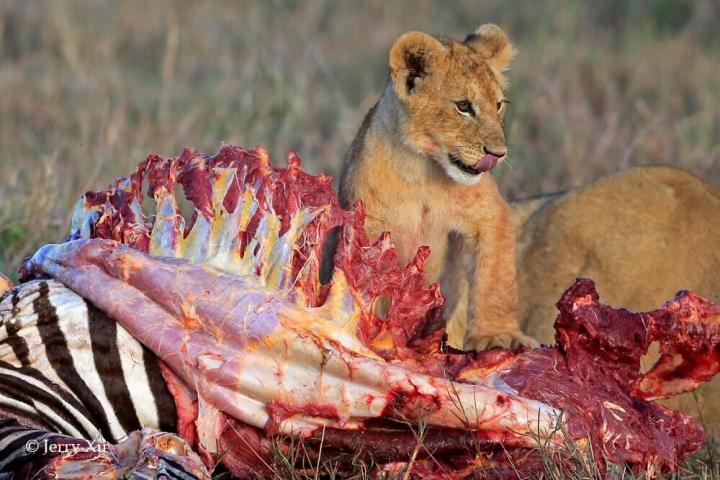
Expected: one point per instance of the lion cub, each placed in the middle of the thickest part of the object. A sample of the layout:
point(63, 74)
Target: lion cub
point(420, 164)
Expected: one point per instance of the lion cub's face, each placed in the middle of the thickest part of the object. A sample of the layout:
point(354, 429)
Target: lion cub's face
point(452, 98)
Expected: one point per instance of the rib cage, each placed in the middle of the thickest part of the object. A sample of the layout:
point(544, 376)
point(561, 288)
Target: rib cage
point(241, 204)
point(250, 218)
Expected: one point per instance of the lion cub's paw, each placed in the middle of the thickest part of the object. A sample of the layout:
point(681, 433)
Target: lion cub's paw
point(512, 341)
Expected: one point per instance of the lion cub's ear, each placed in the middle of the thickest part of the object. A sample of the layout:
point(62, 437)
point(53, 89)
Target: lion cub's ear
point(493, 45)
point(411, 59)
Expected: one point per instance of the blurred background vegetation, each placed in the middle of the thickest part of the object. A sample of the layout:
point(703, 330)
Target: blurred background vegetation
point(89, 88)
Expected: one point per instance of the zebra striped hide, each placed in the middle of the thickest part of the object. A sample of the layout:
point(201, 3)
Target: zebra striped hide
point(62, 360)
point(66, 368)
point(257, 352)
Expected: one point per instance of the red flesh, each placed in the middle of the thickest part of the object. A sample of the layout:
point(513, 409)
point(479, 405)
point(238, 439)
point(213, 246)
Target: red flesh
point(592, 375)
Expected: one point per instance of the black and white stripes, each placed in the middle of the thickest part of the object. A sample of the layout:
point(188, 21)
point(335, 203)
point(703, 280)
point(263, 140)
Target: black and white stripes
point(68, 368)
point(26, 452)
point(13, 441)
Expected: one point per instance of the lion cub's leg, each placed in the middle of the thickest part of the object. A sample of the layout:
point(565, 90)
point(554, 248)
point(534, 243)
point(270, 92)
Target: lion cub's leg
point(493, 286)
point(454, 286)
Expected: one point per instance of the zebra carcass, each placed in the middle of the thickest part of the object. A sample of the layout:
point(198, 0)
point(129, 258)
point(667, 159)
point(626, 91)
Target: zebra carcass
point(256, 351)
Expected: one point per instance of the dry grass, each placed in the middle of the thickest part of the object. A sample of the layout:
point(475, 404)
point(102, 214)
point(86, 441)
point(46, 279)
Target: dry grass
point(88, 88)
point(291, 460)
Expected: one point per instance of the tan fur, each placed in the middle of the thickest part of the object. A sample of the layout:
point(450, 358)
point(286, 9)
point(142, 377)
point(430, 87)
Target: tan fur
point(642, 235)
point(5, 284)
point(399, 167)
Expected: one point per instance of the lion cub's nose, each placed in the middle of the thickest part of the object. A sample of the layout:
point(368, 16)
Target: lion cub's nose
point(498, 152)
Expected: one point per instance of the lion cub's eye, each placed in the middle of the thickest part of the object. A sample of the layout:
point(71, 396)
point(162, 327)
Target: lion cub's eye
point(465, 108)
point(501, 106)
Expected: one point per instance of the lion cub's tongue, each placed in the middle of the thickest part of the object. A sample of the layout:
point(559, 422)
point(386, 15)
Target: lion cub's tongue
point(486, 163)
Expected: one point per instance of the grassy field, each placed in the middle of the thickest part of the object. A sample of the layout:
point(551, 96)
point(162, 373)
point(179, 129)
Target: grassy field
point(89, 88)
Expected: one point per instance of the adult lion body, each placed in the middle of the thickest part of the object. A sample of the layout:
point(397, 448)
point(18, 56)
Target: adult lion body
point(642, 235)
